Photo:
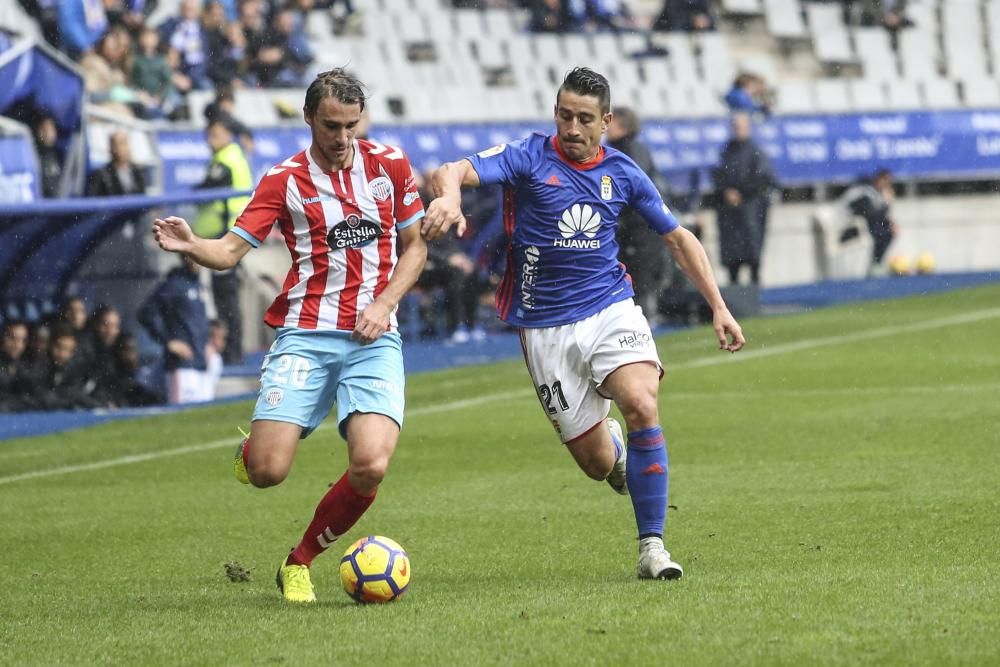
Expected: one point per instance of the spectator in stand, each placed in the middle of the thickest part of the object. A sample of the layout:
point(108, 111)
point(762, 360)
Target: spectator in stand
point(186, 41)
point(72, 314)
point(105, 77)
point(14, 381)
point(281, 53)
point(640, 248)
point(96, 346)
point(214, 351)
point(225, 41)
point(228, 169)
point(743, 182)
point(65, 384)
point(130, 14)
point(451, 268)
point(254, 21)
point(81, 24)
point(39, 336)
point(601, 15)
point(120, 176)
point(549, 16)
point(175, 316)
point(749, 94)
point(221, 109)
point(120, 388)
point(151, 74)
point(49, 156)
point(685, 15)
point(890, 14)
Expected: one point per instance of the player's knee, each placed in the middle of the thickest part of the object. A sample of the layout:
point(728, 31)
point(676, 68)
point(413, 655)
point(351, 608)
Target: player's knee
point(266, 472)
point(597, 469)
point(365, 476)
point(640, 410)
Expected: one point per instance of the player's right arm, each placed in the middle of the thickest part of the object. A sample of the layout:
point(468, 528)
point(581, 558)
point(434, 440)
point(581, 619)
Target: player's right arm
point(446, 209)
point(173, 234)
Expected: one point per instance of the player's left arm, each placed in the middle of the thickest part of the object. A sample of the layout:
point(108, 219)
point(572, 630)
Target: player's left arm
point(691, 257)
point(374, 320)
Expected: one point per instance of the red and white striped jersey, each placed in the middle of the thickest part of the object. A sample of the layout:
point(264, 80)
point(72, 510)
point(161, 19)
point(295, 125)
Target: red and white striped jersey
point(340, 228)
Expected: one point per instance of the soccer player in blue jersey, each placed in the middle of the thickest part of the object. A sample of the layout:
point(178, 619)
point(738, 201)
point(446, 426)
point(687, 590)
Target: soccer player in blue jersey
point(585, 341)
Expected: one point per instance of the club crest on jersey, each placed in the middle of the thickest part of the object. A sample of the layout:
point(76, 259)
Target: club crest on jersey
point(606, 192)
point(353, 232)
point(381, 188)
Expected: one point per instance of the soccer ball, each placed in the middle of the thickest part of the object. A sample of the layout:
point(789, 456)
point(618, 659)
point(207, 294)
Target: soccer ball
point(375, 569)
point(925, 263)
point(900, 265)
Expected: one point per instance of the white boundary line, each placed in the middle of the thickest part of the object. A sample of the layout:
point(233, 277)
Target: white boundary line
point(798, 346)
point(233, 441)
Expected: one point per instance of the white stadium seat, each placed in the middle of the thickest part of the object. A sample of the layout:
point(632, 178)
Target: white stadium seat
point(903, 95)
point(831, 96)
point(831, 41)
point(794, 97)
point(940, 93)
point(876, 55)
point(981, 92)
point(866, 95)
point(784, 19)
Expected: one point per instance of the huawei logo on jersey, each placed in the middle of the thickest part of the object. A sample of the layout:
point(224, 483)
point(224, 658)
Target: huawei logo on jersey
point(576, 220)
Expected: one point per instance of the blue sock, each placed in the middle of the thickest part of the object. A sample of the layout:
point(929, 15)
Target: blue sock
point(646, 473)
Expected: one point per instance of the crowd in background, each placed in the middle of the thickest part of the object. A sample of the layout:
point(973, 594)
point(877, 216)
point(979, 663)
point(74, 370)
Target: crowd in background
point(73, 359)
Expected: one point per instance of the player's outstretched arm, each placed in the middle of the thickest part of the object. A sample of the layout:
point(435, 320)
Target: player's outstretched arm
point(374, 320)
point(173, 234)
point(446, 209)
point(691, 257)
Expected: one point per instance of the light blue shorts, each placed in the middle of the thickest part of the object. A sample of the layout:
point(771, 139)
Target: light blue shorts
point(305, 372)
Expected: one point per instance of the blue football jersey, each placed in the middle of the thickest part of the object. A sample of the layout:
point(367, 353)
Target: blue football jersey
point(560, 219)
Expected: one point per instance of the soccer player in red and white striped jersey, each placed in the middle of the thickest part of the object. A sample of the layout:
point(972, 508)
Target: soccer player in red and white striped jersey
point(340, 205)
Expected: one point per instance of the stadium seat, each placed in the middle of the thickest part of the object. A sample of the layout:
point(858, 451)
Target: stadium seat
point(742, 7)
point(918, 54)
point(703, 101)
point(255, 107)
point(656, 72)
point(875, 53)
point(794, 97)
point(680, 56)
point(866, 95)
point(940, 93)
point(784, 19)
point(992, 9)
point(577, 50)
point(980, 92)
point(716, 59)
point(498, 23)
point(831, 41)
point(902, 95)
point(469, 23)
point(831, 96)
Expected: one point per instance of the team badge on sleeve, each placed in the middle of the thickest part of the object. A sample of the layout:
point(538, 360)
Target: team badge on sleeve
point(381, 188)
point(490, 152)
point(606, 192)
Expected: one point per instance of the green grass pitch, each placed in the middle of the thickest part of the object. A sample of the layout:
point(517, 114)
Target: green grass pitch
point(835, 493)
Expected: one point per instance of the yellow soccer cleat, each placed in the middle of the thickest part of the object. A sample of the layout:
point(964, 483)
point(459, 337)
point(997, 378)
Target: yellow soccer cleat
point(239, 467)
point(294, 583)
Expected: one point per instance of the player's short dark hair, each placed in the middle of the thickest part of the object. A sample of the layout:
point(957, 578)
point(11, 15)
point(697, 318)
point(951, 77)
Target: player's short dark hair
point(585, 81)
point(338, 84)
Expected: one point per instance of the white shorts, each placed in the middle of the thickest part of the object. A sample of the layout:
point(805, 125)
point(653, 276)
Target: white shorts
point(569, 363)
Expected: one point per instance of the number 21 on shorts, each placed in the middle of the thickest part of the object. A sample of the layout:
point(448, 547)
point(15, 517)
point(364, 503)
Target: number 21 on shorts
point(552, 397)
